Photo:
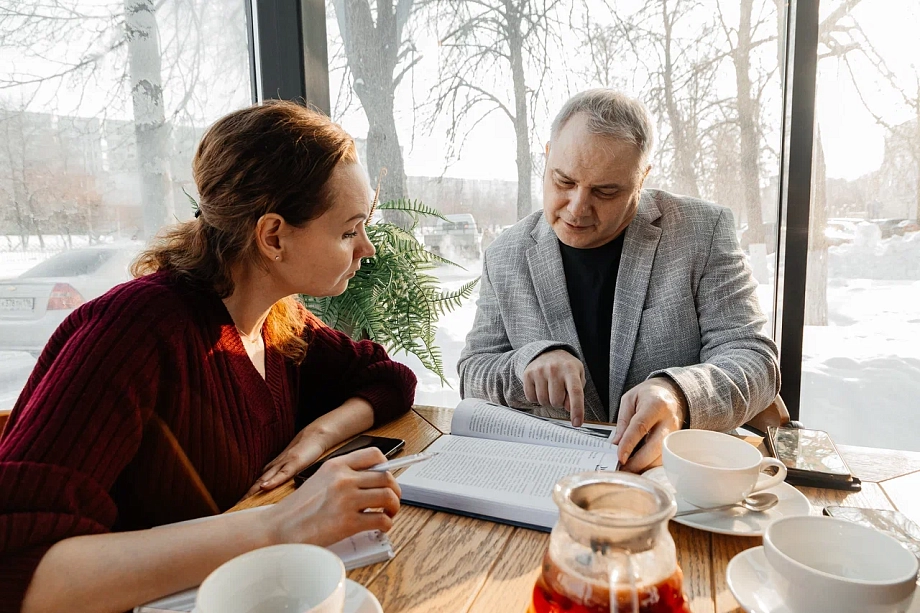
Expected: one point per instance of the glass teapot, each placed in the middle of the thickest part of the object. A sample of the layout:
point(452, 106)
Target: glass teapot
point(611, 550)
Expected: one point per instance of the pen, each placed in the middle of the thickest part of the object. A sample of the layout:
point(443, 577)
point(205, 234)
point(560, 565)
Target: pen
point(401, 462)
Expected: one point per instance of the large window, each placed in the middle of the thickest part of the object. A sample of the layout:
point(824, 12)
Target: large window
point(102, 103)
point(455, 100)
point(861, 352)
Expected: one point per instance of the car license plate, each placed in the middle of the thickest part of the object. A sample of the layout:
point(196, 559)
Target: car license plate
point(17, 304)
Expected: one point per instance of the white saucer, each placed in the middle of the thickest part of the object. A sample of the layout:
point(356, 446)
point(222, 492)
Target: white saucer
point(358, 599)
point(737, 521)
point(749, 581)
point(748, 578)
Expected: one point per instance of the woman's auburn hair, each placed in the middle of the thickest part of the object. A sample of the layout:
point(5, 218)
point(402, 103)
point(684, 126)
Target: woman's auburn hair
point(274, 157)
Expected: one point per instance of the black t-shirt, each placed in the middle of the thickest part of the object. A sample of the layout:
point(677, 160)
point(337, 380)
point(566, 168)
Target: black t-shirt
point(591, 280)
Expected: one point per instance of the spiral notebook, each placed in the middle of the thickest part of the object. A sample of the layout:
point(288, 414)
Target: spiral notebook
point(362, 549)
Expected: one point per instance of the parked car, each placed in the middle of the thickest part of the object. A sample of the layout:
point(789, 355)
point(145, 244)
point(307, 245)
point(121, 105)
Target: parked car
point(887, 226)
point(839, 232)
point(458, 236)
point(906, 226)
point(35, 303)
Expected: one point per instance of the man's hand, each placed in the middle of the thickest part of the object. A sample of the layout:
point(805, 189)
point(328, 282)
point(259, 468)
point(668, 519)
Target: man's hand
point(557, 379)
point(656, 408)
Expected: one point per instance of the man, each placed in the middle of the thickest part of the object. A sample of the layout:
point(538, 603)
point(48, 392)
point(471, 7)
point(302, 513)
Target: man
point(616, 303)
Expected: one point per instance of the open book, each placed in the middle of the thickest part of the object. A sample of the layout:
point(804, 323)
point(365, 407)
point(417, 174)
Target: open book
point(359, 550)
point(501, 464)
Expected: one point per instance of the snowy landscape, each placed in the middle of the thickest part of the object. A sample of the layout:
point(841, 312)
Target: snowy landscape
point(861, 373)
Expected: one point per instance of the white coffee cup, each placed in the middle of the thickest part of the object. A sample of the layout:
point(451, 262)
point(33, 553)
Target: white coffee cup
point(709, 469)
point(291, 578)
point(824, 565)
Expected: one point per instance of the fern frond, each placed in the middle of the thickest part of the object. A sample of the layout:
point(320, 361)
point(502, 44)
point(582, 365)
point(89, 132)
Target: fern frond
point(410, 206)
point(448, 301)
point(392, 299)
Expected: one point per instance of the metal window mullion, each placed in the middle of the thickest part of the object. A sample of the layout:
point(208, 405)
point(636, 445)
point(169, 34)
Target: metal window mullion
point(288, 51)
point(277, 50)
point(315, 54)
point(795, 199)
point(254, 75)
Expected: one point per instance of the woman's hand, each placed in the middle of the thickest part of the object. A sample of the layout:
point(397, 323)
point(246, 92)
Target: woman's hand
point(333, 504)
point(306, 448)
point(354, 416)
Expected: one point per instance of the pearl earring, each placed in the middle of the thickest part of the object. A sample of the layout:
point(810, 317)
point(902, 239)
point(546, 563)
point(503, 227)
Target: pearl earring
point(277, 257)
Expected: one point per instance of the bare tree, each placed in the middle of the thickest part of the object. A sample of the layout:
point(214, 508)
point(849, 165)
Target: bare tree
point(671, 43)
point(750, 85)
point(607, 54)
point(24, 183)
point(904, 138)
point(835, 36)
point(104, 54)
point(486, 42)
point(150, 127)
point(43, 193)
point(379, 53)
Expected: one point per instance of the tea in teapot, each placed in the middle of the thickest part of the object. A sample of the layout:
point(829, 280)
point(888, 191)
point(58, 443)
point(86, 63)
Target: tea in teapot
point(610, 551)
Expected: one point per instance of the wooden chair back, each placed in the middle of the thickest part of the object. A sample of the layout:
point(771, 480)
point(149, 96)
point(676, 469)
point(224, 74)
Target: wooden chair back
point(774, 415)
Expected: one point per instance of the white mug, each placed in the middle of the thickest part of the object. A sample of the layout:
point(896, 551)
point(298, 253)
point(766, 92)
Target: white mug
point(708, 469)
point(292, 578)
point(828, 565)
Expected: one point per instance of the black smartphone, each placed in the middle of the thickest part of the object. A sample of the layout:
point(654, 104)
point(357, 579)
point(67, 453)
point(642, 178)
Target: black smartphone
point(388, 446)
point(810, 457)
point(891, 522)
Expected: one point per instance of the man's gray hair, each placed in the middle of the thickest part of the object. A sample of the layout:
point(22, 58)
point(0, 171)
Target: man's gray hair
point(610, 113)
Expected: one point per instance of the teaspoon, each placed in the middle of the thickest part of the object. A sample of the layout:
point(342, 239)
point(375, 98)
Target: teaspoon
point(762, 501)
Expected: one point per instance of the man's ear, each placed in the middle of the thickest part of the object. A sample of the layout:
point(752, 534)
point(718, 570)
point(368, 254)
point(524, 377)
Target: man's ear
point(546, 149)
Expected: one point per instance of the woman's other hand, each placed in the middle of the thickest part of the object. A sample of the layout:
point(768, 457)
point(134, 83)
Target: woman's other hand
point(304, 450)
point(354, 416)
point(341, 499)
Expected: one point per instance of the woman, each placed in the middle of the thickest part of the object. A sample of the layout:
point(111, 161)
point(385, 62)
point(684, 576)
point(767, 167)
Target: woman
point(167, 398)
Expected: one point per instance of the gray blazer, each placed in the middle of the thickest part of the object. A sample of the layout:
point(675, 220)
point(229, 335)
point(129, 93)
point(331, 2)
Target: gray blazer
point(685, 307)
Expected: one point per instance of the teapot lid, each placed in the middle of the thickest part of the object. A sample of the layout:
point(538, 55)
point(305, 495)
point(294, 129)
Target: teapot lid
point(618, 510)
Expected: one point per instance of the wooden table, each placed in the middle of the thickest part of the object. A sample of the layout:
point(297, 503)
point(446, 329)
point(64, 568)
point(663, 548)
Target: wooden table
point(451, 563)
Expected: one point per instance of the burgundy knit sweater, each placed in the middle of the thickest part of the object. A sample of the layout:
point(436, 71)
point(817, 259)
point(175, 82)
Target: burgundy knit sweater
point(144, 409)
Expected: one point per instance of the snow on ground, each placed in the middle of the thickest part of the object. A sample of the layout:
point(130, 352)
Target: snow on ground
point(860, 373)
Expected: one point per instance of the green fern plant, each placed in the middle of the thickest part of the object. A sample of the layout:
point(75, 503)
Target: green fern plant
point(393, 299)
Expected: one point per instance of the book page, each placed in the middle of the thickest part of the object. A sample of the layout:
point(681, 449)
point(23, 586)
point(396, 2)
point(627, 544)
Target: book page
point(506, 480)
point(482, 419)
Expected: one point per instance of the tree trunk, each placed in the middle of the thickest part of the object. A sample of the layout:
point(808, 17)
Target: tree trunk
point(521, 120)
point(747, 123)
point(383, 149)
point(684, 148)
point(372, 54)
point(150, 128)
point(383, 152)
point(816, 284)
point(18, 178)
point(781, 38)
